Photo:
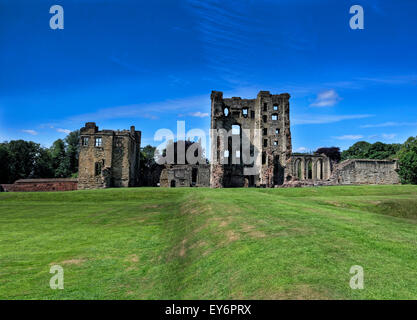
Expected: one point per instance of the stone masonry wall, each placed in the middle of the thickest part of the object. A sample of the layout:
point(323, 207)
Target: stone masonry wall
point(267, 120)
point(108, 158)
point(29, 185)
point(182, 175)
point(366, 171)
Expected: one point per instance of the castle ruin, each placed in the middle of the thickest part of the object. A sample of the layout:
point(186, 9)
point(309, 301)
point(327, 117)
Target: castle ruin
point(108, 158)
point(261, 126)
point(265, 123)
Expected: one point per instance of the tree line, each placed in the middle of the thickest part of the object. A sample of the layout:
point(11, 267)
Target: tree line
point(21, 159)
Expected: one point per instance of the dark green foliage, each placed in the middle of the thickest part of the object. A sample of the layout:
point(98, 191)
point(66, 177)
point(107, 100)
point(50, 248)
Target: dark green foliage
point(4, 163)
point(333, 153)
point(407, 157)
point(72, 142)
point(149, 170)
point(21, 159)
point(366, 150)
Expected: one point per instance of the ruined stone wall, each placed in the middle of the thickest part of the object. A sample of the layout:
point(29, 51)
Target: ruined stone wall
point(31, 185)
point(265, 121)
point(108, 158)
point(309, 167)
point(182, 175)
point(366, 171)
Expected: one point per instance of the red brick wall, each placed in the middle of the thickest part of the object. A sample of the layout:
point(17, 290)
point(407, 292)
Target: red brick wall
point(41, 185)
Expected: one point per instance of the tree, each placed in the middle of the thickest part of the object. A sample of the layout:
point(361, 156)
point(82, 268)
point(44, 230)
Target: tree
point(60, 162)
point(4, 163)
point(366, 150)
point(147, 156)
point(407, 158)
point(333, 153)
point(357, 151)
point(72, 146)
point(22, 158)
point(42, 167)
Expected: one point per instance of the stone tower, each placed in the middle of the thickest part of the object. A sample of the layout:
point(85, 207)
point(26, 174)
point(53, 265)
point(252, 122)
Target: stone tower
point(108, 158)
point(263, 124)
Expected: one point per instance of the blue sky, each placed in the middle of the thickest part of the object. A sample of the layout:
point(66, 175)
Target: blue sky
point(151, 63)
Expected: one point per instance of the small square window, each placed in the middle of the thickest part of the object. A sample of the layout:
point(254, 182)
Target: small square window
point(265, 131)
point(265, 142)
point(275, 143)
point(276, 131)
point(265, 107)
point(274, 117)
point(265, 119)
point(98, 142)
point(252, 114)
point(275, 108)
point(245, 112)
point(237, 154)
point(226, 153)
point(263, 157)
point(85, 141)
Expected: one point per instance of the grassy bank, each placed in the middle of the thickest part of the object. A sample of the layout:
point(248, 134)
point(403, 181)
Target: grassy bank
point(156, 243)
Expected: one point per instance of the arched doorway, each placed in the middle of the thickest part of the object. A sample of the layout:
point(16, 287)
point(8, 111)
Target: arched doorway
point(309, 169)
point(173, 184)
point(319, 168)
point(297, 168)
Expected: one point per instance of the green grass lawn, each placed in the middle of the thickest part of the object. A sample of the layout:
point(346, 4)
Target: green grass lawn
point(197, 243)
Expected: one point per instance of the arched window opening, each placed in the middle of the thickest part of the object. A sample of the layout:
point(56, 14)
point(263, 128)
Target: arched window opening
point(309, 170)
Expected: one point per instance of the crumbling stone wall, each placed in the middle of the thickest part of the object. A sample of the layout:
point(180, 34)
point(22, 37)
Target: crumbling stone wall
point(267, 119)
point(366, 171)
point(30, 185)
point(186, 175)
point(108, 158)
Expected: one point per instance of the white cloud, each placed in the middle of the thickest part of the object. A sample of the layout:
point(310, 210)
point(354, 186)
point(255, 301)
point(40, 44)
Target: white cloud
point(321, 119)
point(301, 149)
point(388, 136)
point(389, 124)
point(63, 130)
point(144, 110)
point(327, 98)
point(29, 131)
point(349, 137)
point(199, 114)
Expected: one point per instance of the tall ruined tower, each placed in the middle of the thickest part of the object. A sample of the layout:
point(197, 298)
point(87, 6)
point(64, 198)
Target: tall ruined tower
point(263, 125)
point(108, 158)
